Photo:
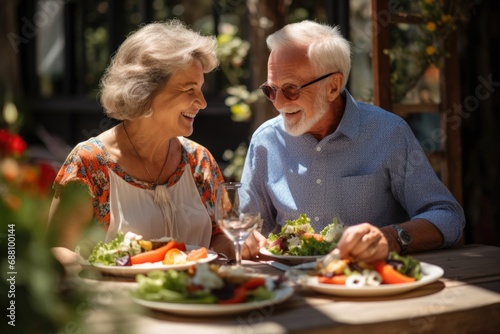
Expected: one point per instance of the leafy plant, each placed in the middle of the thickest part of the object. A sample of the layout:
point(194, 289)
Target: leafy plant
point(37, 298)
point(416, 47)
point(232, 52)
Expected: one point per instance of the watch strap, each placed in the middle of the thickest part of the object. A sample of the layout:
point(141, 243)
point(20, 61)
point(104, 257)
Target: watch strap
point(403, 244)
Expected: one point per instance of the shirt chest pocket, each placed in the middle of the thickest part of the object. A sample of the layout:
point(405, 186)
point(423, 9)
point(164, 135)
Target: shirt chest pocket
point(364, 197)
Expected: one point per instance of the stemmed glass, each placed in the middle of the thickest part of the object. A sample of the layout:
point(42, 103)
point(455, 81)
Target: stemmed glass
point(237, 213)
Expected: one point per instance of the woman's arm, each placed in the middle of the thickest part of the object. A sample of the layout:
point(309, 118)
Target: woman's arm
point(220, 243)
point(70, 216)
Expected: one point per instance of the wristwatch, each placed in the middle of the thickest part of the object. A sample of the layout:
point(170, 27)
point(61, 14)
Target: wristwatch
point(404, 237)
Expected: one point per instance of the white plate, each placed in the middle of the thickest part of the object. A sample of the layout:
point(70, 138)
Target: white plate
point(144, 268)
point(290, 258)
point(430, 273)
point(280, 295)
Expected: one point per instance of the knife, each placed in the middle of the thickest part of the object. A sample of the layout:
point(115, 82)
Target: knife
point(277, 265)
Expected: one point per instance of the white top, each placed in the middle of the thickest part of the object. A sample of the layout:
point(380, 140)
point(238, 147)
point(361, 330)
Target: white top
point(175, 211)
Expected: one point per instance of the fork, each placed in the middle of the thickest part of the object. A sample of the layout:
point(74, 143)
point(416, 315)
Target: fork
point(332, 256)
point(226, 259)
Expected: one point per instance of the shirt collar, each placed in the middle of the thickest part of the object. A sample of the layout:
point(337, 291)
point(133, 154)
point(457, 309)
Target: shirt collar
point(349, 124)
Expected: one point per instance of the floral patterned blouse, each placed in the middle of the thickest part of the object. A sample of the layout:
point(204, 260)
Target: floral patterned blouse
point(89, 163)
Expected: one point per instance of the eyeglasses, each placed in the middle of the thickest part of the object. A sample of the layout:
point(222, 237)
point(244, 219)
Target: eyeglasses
point(290, 91)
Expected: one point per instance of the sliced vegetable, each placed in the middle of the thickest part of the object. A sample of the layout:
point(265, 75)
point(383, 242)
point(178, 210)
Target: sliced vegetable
point(145, 244)
point(239, 296)
point(157, 254)
point(181, 246)
point(316, 236)
point(355, 280)
point(123, 261)
point(157, 243)
point(197, 254)
point(337, 279)
point(253, 283)
point(174, 256)
point(390, 275)
point(406, 265)
point(373, 278)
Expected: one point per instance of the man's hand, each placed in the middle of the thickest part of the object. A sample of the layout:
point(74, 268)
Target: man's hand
point(363, 242)
point(254, 242)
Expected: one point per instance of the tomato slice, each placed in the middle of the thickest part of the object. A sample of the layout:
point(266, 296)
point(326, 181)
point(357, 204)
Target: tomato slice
point(197, 254)
point(253, 283)
point(181, 245)
point(239, 296)
point(337, 279)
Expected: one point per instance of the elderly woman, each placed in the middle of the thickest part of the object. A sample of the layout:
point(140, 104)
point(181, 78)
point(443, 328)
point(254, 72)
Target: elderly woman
point(142, 175)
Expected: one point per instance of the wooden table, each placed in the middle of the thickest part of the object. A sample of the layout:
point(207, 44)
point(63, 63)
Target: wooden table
point(465, 300)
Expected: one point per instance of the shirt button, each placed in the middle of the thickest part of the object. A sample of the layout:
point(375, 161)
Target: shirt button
point(318, 148)
point(316, 218)
point(318, 181)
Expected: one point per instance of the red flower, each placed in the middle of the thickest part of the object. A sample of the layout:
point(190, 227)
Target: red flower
point(4, 139)
point(32, 177)
point(17, 145)
point(11, 144)
point(46, 177)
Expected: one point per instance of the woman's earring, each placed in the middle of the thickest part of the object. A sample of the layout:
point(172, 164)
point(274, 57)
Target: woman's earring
point(149, 113)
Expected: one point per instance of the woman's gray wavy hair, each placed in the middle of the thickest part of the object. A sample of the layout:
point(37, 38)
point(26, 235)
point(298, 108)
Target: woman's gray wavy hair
point(145, 62)
point(328, 50)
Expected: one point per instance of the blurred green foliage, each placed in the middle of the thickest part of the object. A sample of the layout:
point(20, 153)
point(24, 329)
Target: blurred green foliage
point(416, 47)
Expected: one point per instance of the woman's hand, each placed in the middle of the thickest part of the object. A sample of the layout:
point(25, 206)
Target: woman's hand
point(71, 261)
point(221, 244)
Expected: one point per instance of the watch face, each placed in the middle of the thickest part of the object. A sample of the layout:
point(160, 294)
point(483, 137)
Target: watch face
point(405, 237)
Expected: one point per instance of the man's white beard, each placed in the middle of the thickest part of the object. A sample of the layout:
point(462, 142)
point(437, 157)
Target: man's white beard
point(303, 125)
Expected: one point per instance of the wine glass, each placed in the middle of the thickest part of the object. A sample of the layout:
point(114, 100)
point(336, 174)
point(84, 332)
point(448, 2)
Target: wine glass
point(237, 213)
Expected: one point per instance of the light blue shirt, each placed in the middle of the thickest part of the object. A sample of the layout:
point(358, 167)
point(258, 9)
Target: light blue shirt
point(371, 169)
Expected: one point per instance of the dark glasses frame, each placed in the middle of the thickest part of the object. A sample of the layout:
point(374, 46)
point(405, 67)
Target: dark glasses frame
point(290, 91)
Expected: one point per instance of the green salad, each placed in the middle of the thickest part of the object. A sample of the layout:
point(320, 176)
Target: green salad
point(298, 238)
point(405, 264)
point(110, 253)
point(204, 284)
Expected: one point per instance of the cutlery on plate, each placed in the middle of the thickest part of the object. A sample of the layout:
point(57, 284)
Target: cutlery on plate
point(332, 256)
point(277, 265)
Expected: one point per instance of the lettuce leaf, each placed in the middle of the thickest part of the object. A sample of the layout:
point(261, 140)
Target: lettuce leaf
point(169, 286)
point(297, 237)
point(405, 264)
point(312, 247)
point(333, 231)
point(108, 253)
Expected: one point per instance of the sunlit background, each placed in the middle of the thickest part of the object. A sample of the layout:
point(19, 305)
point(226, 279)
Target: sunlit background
point(435, 65)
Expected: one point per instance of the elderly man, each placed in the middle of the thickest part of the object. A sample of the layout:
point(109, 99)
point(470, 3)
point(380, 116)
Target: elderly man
point(330, 156)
